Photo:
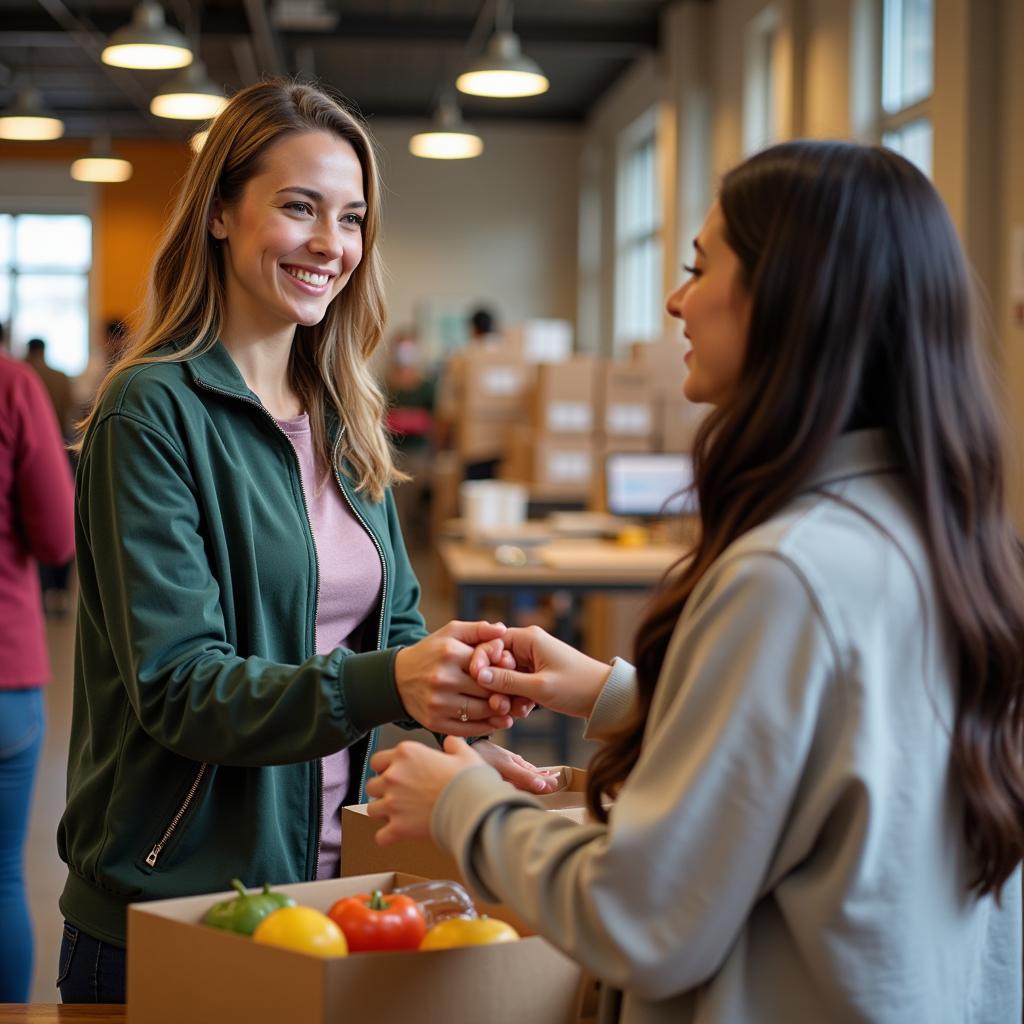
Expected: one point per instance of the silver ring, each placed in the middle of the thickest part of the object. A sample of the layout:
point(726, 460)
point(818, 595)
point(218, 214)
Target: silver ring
point(464, 713)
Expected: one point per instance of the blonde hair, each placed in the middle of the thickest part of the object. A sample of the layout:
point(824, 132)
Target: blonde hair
point(329, 363)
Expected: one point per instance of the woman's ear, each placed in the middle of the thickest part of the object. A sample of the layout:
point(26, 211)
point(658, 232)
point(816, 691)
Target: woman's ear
point(215, 223)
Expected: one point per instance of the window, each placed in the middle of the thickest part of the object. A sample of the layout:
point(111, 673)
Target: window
point(44, 284)
point(760, 127)
point(908, 34)
point(638, 242)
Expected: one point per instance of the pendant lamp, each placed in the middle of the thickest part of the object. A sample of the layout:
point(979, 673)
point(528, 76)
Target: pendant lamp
point(147, 42)
point(449, 138)
point(189, 96)
point(503, 71)
point(28, 119)
point(101, 165)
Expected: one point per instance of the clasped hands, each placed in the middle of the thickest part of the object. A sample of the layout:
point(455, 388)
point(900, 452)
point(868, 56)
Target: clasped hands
point(468, 679)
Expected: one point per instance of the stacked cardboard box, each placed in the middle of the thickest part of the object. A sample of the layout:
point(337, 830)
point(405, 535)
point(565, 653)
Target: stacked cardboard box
point(626, 403)
point(541, 341)
point(676, 418)
point(492, 388)
point(555, 456)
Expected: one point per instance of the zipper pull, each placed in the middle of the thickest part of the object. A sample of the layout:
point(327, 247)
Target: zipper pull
point(152, 856)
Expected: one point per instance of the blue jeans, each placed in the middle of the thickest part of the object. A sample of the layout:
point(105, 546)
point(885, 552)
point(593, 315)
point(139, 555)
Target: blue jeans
point(22, 723)
point(89, 970)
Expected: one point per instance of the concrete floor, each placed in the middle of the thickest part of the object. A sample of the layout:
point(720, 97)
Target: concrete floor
point(45, 873)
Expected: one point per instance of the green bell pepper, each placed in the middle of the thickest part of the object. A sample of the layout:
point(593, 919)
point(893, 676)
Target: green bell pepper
point(242, 913)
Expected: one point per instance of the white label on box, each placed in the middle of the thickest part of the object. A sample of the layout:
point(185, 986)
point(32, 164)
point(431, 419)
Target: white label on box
point(569, 467)
point(628, 418)
point(570, 417)
point(501, 380)
point(547, 341)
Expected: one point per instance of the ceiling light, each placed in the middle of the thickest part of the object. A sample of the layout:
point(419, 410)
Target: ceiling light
point(147, 42)
point(199, 140)
point(189, 96)
point(503, 71)
point(101, 165)
point(449, 138)
point(27, 119)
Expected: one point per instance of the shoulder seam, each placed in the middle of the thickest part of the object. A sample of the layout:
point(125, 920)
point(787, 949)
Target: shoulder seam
point(805, 583)
point(146, 425)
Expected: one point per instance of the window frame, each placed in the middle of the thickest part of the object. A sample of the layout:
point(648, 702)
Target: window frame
point(631, 241)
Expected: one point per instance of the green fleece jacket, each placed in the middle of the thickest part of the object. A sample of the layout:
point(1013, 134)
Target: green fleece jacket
point(200, 708)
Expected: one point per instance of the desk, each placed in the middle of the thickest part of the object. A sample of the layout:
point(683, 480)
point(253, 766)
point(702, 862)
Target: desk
point(579, 567)
point(59, 1013)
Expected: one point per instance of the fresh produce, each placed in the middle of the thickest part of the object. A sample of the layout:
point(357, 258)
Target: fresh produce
point(302, 929)
point(242, 913)
point(373, 921)
point(464, 931)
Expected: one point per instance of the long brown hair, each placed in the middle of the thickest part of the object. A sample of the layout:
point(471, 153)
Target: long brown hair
point(329, 363)
point(861, 317)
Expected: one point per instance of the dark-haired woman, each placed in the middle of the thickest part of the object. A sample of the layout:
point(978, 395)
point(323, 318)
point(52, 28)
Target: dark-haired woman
point(818, 761)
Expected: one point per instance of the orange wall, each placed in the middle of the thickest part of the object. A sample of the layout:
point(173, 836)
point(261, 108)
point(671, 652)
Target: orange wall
point(129, 215)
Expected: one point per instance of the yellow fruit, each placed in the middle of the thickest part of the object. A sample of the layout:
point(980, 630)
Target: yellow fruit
point(464, 931)
point(302, 929)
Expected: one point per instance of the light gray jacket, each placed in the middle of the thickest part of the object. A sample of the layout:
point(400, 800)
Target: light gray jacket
point(789, 847)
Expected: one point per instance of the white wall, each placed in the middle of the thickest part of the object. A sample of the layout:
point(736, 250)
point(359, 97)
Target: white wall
point(499, 229)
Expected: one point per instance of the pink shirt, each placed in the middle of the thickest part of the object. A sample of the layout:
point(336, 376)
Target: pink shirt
point(350, 580)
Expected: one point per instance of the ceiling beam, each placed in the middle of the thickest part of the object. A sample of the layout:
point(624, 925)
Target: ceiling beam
point(92, 42)
point(627, 37)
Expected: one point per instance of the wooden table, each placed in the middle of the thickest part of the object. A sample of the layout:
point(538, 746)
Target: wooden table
point(52, 1013)
point(578, 566)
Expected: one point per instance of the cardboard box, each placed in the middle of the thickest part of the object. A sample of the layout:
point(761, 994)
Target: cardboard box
point(553, 466)
point(678, 420)
point(627, 401)
point(480, 437)
point(495, 383)
point(665, 361)
point(541, 341)
point(360, 853)
point(565, 397)
point(563, 467)
point(180, 971)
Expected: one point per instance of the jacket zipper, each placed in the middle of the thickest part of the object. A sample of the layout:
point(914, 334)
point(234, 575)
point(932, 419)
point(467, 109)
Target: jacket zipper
point(316, 567)
point(154, 854)
point(383, 592)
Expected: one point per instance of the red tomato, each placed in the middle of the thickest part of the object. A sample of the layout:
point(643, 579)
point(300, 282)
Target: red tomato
point(379, 922)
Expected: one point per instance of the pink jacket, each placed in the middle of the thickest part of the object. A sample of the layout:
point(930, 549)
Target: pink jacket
point(36, 519)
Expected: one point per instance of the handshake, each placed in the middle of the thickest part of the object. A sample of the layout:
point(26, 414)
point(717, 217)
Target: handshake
point(472, 678)
point(469, 679)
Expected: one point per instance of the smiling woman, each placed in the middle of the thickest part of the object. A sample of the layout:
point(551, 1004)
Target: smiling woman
point(248, 615)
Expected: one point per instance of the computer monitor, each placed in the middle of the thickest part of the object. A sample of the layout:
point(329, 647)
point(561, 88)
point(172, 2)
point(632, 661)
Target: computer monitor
point(649, 484)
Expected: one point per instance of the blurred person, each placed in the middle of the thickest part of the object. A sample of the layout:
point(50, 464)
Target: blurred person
point(482, 330)
point(410, 396)
point(248, 616)
point(817, 764)
point(57, 384)
point(36, 525)
point(102, 357)
point(54, 578)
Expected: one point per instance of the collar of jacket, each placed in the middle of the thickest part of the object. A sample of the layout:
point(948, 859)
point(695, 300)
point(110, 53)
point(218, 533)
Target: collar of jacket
point(856, 453)
point(214, 368)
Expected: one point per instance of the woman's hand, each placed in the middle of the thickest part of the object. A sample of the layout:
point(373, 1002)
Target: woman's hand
point(435, 687)
point(409, 779)
point(549, 672)
point(517, 770)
